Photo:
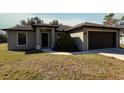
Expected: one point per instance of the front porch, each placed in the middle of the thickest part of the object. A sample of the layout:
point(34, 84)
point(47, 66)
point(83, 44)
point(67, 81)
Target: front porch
point(45, 38)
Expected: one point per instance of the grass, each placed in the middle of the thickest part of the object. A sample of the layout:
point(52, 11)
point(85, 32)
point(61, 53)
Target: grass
point(19, 65)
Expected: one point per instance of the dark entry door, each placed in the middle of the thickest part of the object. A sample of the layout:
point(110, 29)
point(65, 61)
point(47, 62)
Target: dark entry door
point(99, 40)
point(44, 40)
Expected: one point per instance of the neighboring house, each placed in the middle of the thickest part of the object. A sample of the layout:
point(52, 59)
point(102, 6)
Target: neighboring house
point(3, 37)
point(86, 36)
point(2, 32)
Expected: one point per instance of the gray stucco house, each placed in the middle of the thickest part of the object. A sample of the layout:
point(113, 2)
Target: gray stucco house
point(85, 35)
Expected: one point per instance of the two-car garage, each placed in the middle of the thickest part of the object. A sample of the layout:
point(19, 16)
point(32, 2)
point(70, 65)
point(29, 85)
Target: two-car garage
point(98, 40)
point(89, 36)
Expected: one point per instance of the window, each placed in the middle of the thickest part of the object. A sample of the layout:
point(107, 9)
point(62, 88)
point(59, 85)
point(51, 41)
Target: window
point(21, 38)
point(121, 37)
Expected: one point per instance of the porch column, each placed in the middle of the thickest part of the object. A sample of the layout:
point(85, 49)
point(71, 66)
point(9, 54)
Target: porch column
point(53, 38)
point(117, 39)
point(38, 39)
point(85, 38)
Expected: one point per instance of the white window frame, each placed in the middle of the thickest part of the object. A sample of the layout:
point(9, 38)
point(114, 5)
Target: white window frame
point(17, 39)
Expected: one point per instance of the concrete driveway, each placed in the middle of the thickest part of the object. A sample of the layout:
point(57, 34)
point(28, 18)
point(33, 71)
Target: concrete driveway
point(111, 52)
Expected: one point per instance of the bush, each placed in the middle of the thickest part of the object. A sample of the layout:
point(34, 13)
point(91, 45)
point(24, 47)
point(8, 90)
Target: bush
point(65, 43)
point(121, 46)
point(3, 38)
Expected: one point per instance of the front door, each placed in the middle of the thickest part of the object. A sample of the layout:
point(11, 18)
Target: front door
point(44, 40)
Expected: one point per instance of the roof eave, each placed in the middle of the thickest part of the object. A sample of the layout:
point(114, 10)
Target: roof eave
point(93, 26)
point(17, 30)
point(55, 26)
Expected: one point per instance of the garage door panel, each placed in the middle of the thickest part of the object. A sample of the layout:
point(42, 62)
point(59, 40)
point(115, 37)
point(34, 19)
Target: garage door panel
point(99, 40)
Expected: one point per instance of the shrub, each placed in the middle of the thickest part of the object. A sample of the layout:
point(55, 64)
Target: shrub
point(3, 38)
point(122, 46)
point(65, 43)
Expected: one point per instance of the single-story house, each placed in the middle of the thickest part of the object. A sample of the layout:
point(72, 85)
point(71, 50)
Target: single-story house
point(85, 35)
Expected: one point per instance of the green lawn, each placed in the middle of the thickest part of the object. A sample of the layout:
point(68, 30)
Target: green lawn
point(38, 66)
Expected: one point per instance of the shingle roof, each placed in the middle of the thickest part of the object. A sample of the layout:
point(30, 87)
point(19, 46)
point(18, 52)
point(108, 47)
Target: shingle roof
point(45, 25)
point(20, 28)
point(88, 24)
point(59, 27)
point(63, 27)
point(28, 27)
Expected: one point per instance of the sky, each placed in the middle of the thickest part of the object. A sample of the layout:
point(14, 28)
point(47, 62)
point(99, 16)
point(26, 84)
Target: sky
point(11, 19)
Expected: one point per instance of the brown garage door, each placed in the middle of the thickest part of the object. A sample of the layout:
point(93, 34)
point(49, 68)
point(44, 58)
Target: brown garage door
point(99, 40)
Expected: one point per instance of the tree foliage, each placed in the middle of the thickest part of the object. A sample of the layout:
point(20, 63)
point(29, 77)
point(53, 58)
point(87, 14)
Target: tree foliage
point(122, 18)
point(3, 38)
point(30, 21)
point(110, 20)
point(65, 43)
point(54, 22)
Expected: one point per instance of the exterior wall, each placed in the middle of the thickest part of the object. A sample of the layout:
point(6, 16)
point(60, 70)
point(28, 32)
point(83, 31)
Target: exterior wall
point(50, 31)
point(85, 39)
point(56, 36)
point(53, 37)
point(12, 41)
point(77, 36)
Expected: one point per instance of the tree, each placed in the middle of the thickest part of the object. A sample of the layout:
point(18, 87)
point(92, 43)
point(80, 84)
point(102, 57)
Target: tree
point(115, 21)
point(17, 25)
point(23, 22)
point(54, 22)
point(37, 20)
point(122, 20)
point(30, 21)
point(110, 20)
point(65, 43)
point(3, 38)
